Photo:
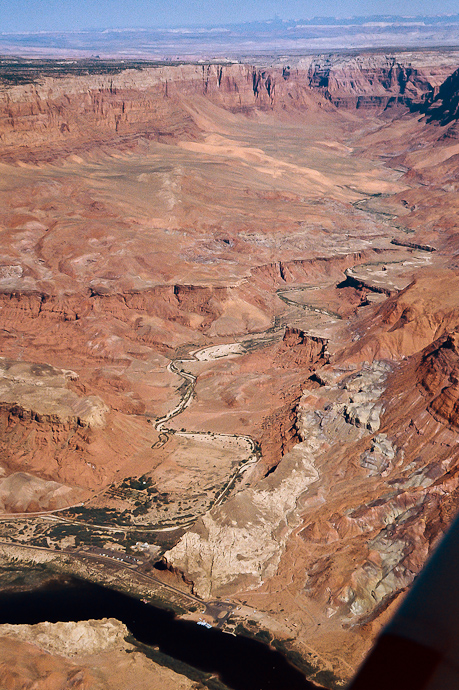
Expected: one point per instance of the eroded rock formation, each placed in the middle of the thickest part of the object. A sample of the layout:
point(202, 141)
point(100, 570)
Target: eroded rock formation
point(378, 81)
point(88, 654)
point(217, 288)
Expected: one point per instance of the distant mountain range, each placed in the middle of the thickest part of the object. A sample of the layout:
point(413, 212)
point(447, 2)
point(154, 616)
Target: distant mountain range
point(233, 41)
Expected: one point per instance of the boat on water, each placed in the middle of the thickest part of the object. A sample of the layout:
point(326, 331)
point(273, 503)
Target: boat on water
point(204, 623)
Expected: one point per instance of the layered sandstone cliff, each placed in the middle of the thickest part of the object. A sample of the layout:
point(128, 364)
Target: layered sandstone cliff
point(55, 117)
point(386, 429)
point(50, 117)
point(377, 81)
point(183, 242)
point(442, 104)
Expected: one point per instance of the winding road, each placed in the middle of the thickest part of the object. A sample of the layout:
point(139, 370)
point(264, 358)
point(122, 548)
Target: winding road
point(253, 452)
point(176, 367)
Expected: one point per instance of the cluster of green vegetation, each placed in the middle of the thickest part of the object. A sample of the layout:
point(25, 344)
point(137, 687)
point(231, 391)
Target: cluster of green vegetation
point(64, 530)
point(27, 71)
point(99, 515)
point(257, 448)
point(162, 498)
point(166, 540)
point(143, 483)
point(254, 632)
point(82, 535)
point(39, 541)
point(141, 535)
point(141, 508)
point(23, 575)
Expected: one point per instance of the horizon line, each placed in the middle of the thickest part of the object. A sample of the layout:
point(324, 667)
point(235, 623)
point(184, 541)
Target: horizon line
point(276, 20)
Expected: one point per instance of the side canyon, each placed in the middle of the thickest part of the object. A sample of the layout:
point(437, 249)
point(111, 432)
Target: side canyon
point(229, 373)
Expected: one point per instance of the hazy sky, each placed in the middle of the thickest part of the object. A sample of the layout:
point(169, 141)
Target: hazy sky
point(51, 15)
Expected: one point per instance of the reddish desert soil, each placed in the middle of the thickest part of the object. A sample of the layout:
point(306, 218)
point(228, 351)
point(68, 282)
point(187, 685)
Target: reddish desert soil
point(149, 216)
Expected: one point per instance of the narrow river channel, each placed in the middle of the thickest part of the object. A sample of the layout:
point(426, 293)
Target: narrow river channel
point(240, 663)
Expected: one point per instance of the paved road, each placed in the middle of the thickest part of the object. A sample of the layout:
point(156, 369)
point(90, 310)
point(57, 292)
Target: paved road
point(218, 609)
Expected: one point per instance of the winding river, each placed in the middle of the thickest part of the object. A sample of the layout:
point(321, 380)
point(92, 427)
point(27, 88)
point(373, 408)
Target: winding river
point(380, 272)
point(239, 662)
point(206, 354)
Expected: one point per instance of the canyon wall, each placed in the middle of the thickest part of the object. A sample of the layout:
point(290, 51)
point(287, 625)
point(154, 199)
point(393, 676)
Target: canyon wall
point(374, 80)
point(174, 297)
point(54, 117)
point(58, 116)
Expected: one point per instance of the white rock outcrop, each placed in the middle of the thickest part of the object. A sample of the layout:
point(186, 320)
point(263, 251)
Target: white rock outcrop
point(72, 638)
point(241, 542)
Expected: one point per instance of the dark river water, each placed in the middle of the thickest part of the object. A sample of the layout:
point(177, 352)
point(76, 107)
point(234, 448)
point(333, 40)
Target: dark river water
point(239, 662)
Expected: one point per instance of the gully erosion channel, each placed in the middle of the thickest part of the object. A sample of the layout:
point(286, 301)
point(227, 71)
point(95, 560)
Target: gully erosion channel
point(235, 661)
point(252, 450)
point(238, 662)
